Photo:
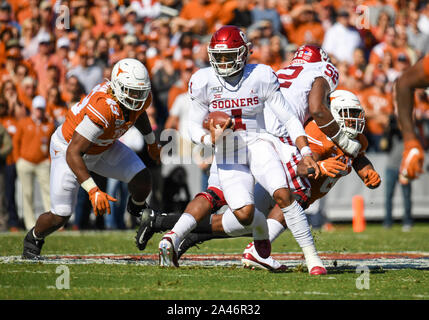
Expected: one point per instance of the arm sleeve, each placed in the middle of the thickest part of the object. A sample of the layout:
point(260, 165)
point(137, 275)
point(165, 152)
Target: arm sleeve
point(199, 106)
point(197, 114)
point(88, 129)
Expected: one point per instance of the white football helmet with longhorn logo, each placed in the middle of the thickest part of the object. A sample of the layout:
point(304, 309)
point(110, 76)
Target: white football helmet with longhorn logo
point(348, 112)
point(130, 83)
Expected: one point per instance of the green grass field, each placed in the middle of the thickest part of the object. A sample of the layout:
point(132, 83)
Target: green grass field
point(20, 280)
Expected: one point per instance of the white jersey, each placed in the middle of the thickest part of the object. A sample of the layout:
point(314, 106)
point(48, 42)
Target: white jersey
point(296, 82)
point(244, 101)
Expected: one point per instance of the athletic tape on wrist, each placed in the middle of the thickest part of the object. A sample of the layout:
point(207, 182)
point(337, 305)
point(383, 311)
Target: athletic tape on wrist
point(207, 140)
point(88, 184)
point(306, 151)
point(150, 138)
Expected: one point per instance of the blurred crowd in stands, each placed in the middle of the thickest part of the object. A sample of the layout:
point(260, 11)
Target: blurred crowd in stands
point(53, 52)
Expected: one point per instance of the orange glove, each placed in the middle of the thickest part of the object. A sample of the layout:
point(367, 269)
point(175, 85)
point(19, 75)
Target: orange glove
point(100, 201)
point(331, 166)
point(154, 151)
point(412, 161)
point(372, 180)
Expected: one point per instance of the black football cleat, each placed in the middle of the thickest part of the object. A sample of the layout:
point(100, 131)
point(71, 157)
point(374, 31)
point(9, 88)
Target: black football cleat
point(32, 246)
point(146, 228)
point(190, 241)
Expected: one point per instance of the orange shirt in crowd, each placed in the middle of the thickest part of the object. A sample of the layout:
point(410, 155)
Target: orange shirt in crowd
point(105, 112)
point(11, 126)
point(377, 105)
point(311, 32)
point(56, 113)
point(325, 148)
point(40, 65)
point(227, 10)
point(31, 141)
point(210, 12)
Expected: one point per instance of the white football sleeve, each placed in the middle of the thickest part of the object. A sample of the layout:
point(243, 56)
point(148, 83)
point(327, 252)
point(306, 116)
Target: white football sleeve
point(88, 129)
point(197, 113)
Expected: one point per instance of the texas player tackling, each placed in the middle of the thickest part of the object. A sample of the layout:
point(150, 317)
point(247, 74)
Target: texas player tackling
point(88, 141)
point(334, 164)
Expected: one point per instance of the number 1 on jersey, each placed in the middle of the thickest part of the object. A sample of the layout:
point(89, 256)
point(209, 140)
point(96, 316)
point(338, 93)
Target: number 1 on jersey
point(236, 114)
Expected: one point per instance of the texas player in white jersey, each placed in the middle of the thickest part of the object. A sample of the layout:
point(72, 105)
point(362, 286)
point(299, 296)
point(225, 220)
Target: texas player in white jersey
point(242, 91)
point(88, 141)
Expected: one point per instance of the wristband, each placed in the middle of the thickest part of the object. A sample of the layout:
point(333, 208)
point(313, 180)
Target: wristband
point(150, 138)
point(88, 184)
point(306, 151)
point(207, 140)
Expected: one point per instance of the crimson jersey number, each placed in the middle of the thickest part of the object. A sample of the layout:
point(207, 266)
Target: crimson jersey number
point(296, 70)
point(236, 114)
point(332, 73)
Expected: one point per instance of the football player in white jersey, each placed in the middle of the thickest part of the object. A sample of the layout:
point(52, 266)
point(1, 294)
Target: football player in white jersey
point(242, 91)
point(306, 84)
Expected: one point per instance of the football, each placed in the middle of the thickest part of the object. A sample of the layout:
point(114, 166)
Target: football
point(219, 118)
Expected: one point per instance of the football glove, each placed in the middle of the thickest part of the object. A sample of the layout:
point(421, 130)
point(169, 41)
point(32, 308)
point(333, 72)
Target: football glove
point(100, 201)
point(331, 166)
point(372, 180)
point(412, 161)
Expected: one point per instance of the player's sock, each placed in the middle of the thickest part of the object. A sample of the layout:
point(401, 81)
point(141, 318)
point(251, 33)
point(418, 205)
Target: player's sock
point(182, 228)
point(193, 239)
point(166, 221)
point(233, 227)
point(204, 226)
point(275, 229)
point(312, 259)
point(259, 226)
point(297, 223)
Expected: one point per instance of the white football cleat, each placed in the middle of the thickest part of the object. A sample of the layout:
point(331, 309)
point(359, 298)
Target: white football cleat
point(252, 260)
point(167, 254)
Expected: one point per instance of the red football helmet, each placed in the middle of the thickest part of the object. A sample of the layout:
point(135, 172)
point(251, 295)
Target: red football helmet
point(310, 53)
point(228, 50)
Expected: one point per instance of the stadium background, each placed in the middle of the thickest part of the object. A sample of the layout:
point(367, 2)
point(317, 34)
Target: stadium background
point(61, 49)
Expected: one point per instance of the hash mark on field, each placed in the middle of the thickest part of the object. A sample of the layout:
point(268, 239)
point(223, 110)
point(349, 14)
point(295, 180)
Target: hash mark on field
point(333, 261)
